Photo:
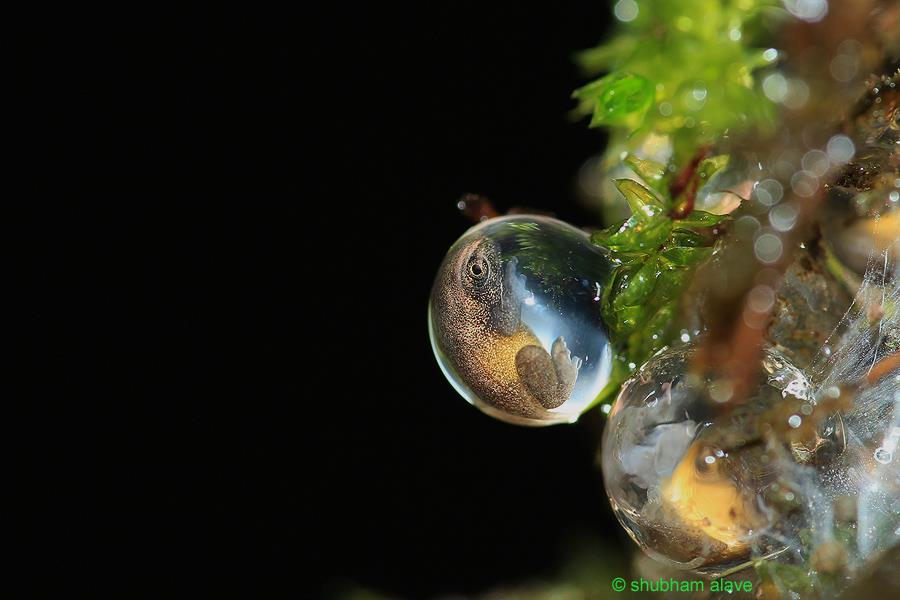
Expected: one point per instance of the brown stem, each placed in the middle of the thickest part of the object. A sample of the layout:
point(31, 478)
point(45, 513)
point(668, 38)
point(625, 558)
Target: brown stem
point(686, 180)
point(883, 367)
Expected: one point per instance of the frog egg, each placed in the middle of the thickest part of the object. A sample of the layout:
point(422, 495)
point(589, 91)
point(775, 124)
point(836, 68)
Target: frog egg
point(514, 319)
point(692, 479)
point(855, 241)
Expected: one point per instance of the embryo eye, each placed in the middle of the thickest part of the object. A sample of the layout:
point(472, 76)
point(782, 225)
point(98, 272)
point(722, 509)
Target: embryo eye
point(479, 269)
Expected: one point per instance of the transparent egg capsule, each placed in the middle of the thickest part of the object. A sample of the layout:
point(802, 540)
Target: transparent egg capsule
point(514, 319)
point(694, 480)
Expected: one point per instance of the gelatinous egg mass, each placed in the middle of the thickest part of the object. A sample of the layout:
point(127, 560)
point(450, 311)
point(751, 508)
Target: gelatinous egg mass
point(693, 485)
point(514, 319)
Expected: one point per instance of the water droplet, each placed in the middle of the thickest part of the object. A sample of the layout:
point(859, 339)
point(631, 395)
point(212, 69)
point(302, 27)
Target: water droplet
point(883, 455)
point(794, 421)
point(811, 11)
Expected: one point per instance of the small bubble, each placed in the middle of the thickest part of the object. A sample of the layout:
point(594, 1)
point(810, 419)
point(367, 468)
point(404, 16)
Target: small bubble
point(840, 149)
point(804, 183)
point(797, 94)
point(665, 109)
point(768, 248)
point(775, 87)
point(816, 162)
point(783, 217)
point(761, 298)
point(685, 337)
point(794, 421)
point(770, 54)
point(699, 92)
point(811, 11)
point(606, 408)
point(709, 460)
point(844, 67)
point(684, 23)
point(769, 192)
point(883, 455)
point(721, 390)
point(626, 10)
point(894, 196)
point(734, 34)
point(789, 496)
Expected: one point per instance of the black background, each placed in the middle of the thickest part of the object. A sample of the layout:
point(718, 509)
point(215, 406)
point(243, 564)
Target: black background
point(234, 222)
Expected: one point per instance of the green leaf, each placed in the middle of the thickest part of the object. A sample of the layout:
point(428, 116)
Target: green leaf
point(686, 238)
point(685, 257)
point(650, 171)
point(621, 97)
point(604, 58)
point(640, 285)
point(710, 166)
point(643, 202)
point(592, 90)
point(699, 218)
point(635, 235)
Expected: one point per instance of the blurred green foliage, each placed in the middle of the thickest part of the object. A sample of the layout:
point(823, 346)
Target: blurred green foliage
point(680, 73)
point(682, 68)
